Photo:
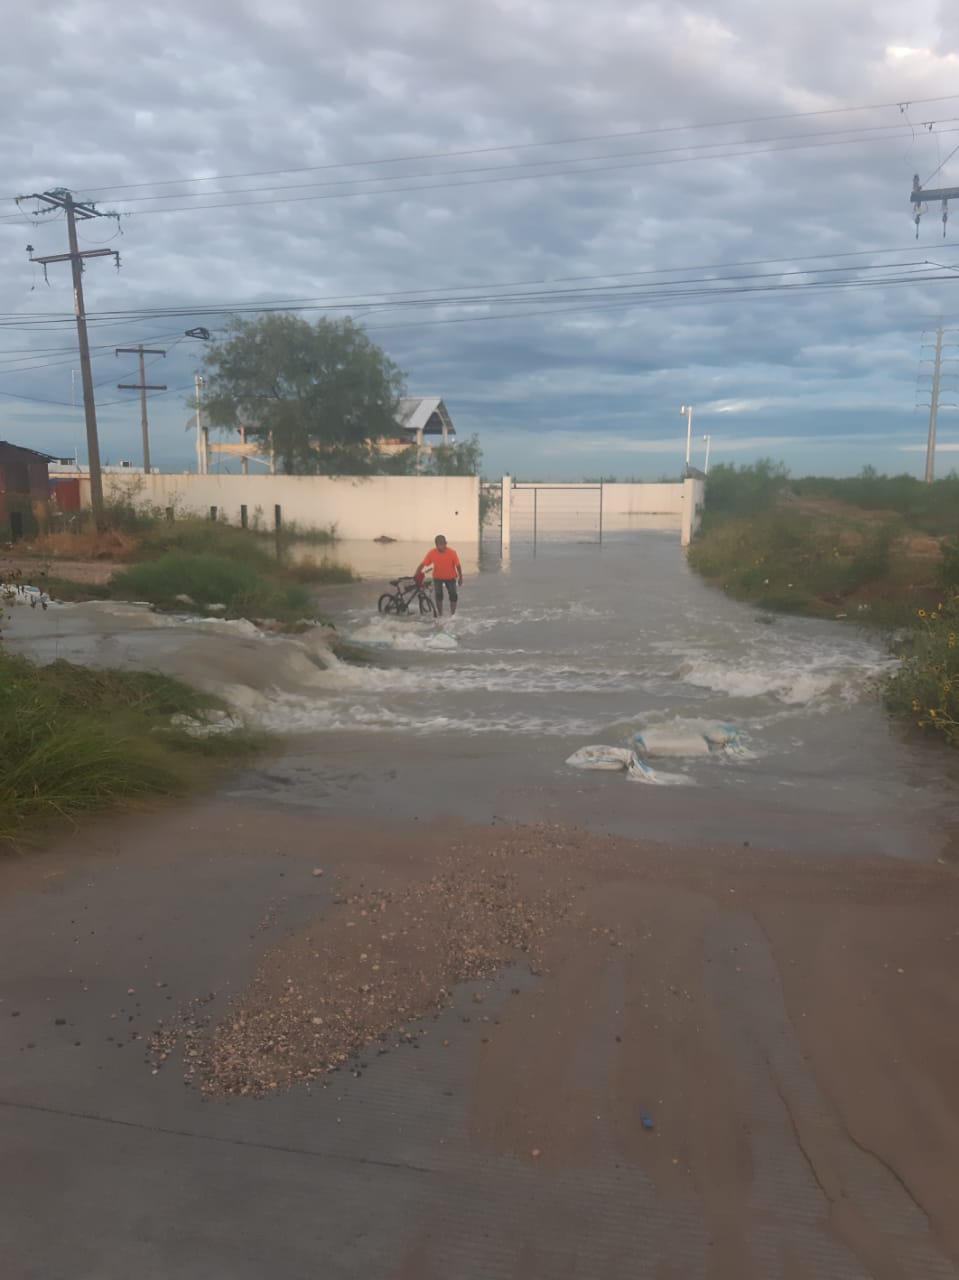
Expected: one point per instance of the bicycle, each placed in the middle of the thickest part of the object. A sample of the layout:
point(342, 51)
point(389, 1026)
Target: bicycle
point(407, 593)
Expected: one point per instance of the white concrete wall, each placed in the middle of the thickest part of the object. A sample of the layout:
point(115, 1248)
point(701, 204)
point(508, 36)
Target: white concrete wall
point(643, 499)
point(407, 508)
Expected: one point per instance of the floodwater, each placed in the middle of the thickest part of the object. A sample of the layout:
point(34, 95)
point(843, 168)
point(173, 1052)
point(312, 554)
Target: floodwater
point(570, 643)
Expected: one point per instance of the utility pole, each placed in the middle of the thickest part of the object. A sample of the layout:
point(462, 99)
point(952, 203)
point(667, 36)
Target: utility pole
point(933, 411)
point(60, 198)
point(143, 388)
point(202, 433)
point(935, 403)
point(921, 196)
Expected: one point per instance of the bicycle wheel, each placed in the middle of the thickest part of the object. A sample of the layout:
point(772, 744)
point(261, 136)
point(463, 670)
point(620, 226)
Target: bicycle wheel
point(427, 605)
point(388, 603)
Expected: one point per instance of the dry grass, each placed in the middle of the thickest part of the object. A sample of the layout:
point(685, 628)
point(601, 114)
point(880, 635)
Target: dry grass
point(110, 544)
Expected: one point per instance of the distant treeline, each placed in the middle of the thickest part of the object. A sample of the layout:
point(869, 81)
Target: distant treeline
point(748, 490)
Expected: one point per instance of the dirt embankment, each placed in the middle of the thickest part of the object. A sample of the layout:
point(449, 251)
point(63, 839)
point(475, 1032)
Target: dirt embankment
point(858, 522)
point(36, 570)
point(85, 558)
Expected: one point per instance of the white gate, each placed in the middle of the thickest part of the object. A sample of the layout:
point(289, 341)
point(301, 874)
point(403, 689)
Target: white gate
point(541, 512)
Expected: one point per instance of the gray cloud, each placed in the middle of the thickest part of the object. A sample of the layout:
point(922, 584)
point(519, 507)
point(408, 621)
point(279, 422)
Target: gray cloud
point(102, 97)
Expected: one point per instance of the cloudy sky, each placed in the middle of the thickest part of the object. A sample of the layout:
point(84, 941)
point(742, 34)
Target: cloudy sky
point(567, 220)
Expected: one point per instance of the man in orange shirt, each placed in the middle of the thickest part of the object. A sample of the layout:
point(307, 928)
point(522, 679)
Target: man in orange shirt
point(447, 572)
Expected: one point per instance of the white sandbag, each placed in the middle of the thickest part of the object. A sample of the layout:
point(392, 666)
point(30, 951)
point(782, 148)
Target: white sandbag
point(720, 735)
point(638, 771)
point(17, 593)
point(727, 739)
point(599, 757)
point(670, 740)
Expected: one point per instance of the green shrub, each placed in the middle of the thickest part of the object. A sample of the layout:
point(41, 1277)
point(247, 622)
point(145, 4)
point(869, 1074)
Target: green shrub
point(208, 580)
point(948, 575)
point(791, 561)
point(927, 508)
point(745, 490)
point(925, 688)
point(196, 536)
point(75, 741)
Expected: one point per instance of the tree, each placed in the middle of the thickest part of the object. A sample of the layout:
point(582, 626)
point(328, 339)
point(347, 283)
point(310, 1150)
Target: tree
point(460, 459)
point(320, 394)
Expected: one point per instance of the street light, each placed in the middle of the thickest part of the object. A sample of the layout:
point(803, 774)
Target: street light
point(706, 463)
point(687, 411)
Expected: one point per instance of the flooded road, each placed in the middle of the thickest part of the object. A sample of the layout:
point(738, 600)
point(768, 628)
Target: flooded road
point(568, 644)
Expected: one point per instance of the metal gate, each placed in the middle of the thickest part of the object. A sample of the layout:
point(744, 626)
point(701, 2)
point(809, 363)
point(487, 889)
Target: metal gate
point(544, 512)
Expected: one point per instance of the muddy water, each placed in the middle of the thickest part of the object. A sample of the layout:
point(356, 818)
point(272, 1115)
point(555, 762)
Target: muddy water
point(568, 644)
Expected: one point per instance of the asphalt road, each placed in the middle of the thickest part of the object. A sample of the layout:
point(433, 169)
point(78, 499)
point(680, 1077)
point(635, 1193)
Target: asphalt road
point(733, 1066)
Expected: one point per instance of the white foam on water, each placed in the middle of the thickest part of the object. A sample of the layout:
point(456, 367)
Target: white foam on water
point(285, 713)
point(410, 634)
point(467, 624)
point(794, 680)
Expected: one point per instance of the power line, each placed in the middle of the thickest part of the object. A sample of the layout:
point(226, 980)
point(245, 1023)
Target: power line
point(14, 395)
point(667, 291)
point(676, 299)
point(525, 146)
point(678, 293)
point(438, 295)
point(818, 137)
point(25, 354)
point(660, 158)
point(510, 177)
point(942, 164)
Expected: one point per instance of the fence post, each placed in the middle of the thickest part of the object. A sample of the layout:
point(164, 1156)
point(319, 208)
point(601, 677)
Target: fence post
point(504, 536)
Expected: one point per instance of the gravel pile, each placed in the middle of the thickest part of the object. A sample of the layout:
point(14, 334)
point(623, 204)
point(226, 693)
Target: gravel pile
point(381, 959)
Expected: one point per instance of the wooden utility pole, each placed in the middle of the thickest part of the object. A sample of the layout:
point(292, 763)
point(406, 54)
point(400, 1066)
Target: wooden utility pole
point(933, 411)
point(143, 387)
point(937, 361)
point(60, 198)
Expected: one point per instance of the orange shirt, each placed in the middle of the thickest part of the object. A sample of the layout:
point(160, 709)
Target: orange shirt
point(446, 564)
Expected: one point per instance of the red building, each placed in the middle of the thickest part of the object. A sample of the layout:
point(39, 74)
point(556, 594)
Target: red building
point(24, 490)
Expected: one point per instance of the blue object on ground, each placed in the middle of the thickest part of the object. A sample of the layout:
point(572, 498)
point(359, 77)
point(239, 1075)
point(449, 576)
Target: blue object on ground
point(646, 1119)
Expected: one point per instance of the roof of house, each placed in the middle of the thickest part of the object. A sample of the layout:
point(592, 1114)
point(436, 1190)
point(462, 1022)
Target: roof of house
point(19, 448)
point(415, 414)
